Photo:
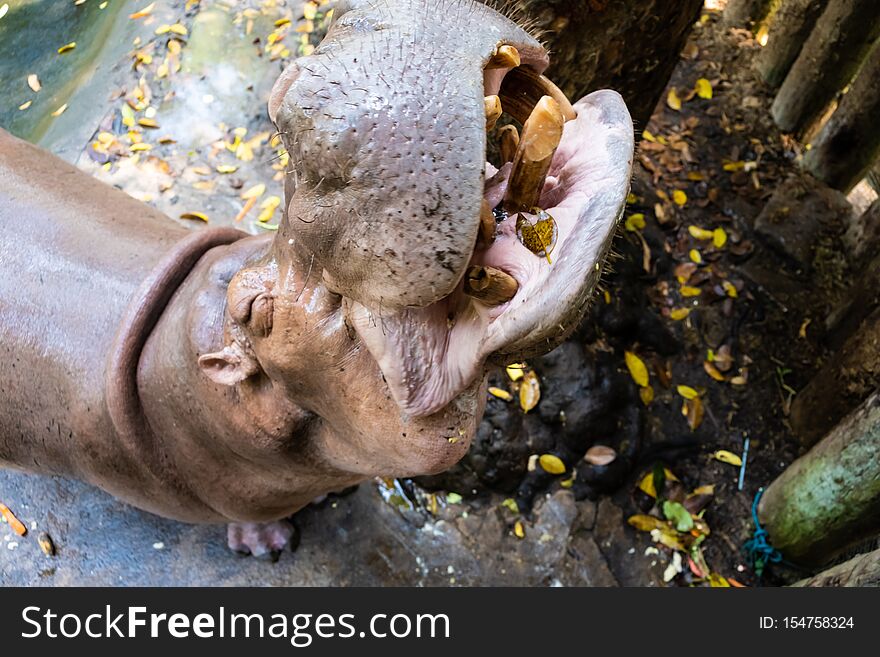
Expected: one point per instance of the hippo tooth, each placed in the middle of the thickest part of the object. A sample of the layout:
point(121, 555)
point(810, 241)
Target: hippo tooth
point(522, 88)
point(487, 223)
point(492, 105)
point(540, 137)
point(504, 57)
point(489, 285)
point(508, 143)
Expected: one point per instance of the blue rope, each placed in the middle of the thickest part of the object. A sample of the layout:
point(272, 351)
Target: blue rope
point(758, 549)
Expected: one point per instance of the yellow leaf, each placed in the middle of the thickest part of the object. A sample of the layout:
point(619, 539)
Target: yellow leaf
point(687, 392)
point(500, 393)
point(644, 522)
point(728, 457)
point(226, 168)
point(647, 394)
point(647, 136)
point(632, 198)
point(519, 530)
point(529, 391)
point(712, 371)
point(148, 123)
point(646, 483)
point(282, 21)
point(143, 12)
point(734, 166)
point(673, 100)
point(717, 581)
point(200, 216)
point(695, 256)
point(552, 464)
point(690, 291)
point(515, 371)
point(695, 176)
point(700, 233)
point(140, 147)
point(679, 314)
point(254, 192)
point(719, 238)
point(310, 10)
point(34, 82)
point(704, 88)
point(60, 110)
point(730, 289)
point(25, 105)
point(163, 29)
point(635, 222)
point(177, 28)
point(511, 505)
point(637, 369)
point(679, 197)
point(66, 47)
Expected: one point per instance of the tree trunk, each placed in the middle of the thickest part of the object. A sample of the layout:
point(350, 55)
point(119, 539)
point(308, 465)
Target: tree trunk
point(831, 56)
point(849, 376)
point(790, 28)
point(863, 570)
point(862, 239)
point(747, 13)
point(631, 46)
point(848, 144)
point(829, 498)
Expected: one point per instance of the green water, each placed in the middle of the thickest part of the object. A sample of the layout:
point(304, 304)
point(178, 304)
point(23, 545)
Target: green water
point(30, 34)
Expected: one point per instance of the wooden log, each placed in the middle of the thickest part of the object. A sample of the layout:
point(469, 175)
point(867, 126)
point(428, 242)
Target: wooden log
point(863, 570)
point(849, 142)
point(842, 38)
point(790, 27)
point(828, 499)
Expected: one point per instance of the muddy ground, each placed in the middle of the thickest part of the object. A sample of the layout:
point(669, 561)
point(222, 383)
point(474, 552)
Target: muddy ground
point(727, 324)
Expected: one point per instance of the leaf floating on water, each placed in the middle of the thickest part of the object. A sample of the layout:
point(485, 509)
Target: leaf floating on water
point(254, 192)
point(515, 371)
point(199, 216)
point(529, 391)
point(687, 392)
point(60, 110)
point(538, 237)
point(600, 455)
point(177, 28)
point(500, 393)
point(673, 100)
point(67, 47)
point(143, 12)
point(25, 105)
point(635, 222)
point(637, 369)
point(148, 123)
point(226, 168)
point(34, 82)
point(552, 464)
point(3, 9)
point(704, 89)
point(140, 146)
point(727, 457)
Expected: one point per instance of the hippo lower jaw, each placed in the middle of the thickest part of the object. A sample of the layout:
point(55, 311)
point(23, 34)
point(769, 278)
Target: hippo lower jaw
point(429, 355)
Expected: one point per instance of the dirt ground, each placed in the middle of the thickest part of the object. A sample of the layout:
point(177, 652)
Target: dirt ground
point(704, 330)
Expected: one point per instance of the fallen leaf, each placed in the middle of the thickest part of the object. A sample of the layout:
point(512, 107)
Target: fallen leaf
point(500, 393)
point(700, 233)
point(515, 371)
point(529, 391)
point(143, 12)
point(678, 515)
point(717, 581)
point(679, 197)
point(67, 47)
point(673, 100)
point(646, 394)
point(247, 208)
point(25, 105)
point(637, 369)
point(200, 216)
point(46, 544)
point(695, 256)
point(3, 9)
point(727, 457)
point(703, 88)
point(693, 411)
point(254, 192)
point(140, 146)
point(226, 168)
point(635, 222)
point(34, 82)
point(646, 483)
point(600, 455)
point(519, 530)
point(687, 392)
point(16, 524)
point(712, 371)
point(453, 498)
point(148, 123)
point(729, 289)
point(552, 464)
point(60, 110)
point(719, 238)
point(679, 314)
point(511, 505)
point(177, 28)
point(688, 291)
point(645, 523)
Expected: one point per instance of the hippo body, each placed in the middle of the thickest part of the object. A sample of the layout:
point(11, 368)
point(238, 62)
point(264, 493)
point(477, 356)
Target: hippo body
point(209, 376)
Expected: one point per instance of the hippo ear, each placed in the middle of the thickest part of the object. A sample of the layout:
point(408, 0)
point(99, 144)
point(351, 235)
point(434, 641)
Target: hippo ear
point(229, 366)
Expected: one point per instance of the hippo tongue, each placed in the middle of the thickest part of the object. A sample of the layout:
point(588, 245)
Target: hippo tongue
point(430, 355)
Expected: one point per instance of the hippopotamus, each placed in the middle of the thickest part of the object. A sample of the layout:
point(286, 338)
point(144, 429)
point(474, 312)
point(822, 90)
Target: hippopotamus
point(211, 376)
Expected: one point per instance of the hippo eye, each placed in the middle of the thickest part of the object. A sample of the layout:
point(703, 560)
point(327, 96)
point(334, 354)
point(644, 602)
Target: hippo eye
point(261, 315)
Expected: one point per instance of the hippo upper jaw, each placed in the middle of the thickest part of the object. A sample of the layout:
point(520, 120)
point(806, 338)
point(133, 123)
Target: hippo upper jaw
point(429, 355)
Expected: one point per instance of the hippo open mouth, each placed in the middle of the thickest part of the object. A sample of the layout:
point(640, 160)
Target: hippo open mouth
point(443, 261)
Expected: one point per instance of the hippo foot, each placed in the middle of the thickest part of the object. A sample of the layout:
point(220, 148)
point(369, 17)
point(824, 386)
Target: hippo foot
point(262, 540)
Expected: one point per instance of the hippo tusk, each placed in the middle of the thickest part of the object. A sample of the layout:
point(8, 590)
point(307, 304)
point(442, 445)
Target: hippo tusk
point(487, 223)
point(522, 88)
point(540, 137)
point(492, 105)
point(504, 57)
point(508, 143)
point(489, 285)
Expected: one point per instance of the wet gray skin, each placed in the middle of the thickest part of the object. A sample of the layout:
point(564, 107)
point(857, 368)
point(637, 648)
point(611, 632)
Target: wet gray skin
point(385, 128)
